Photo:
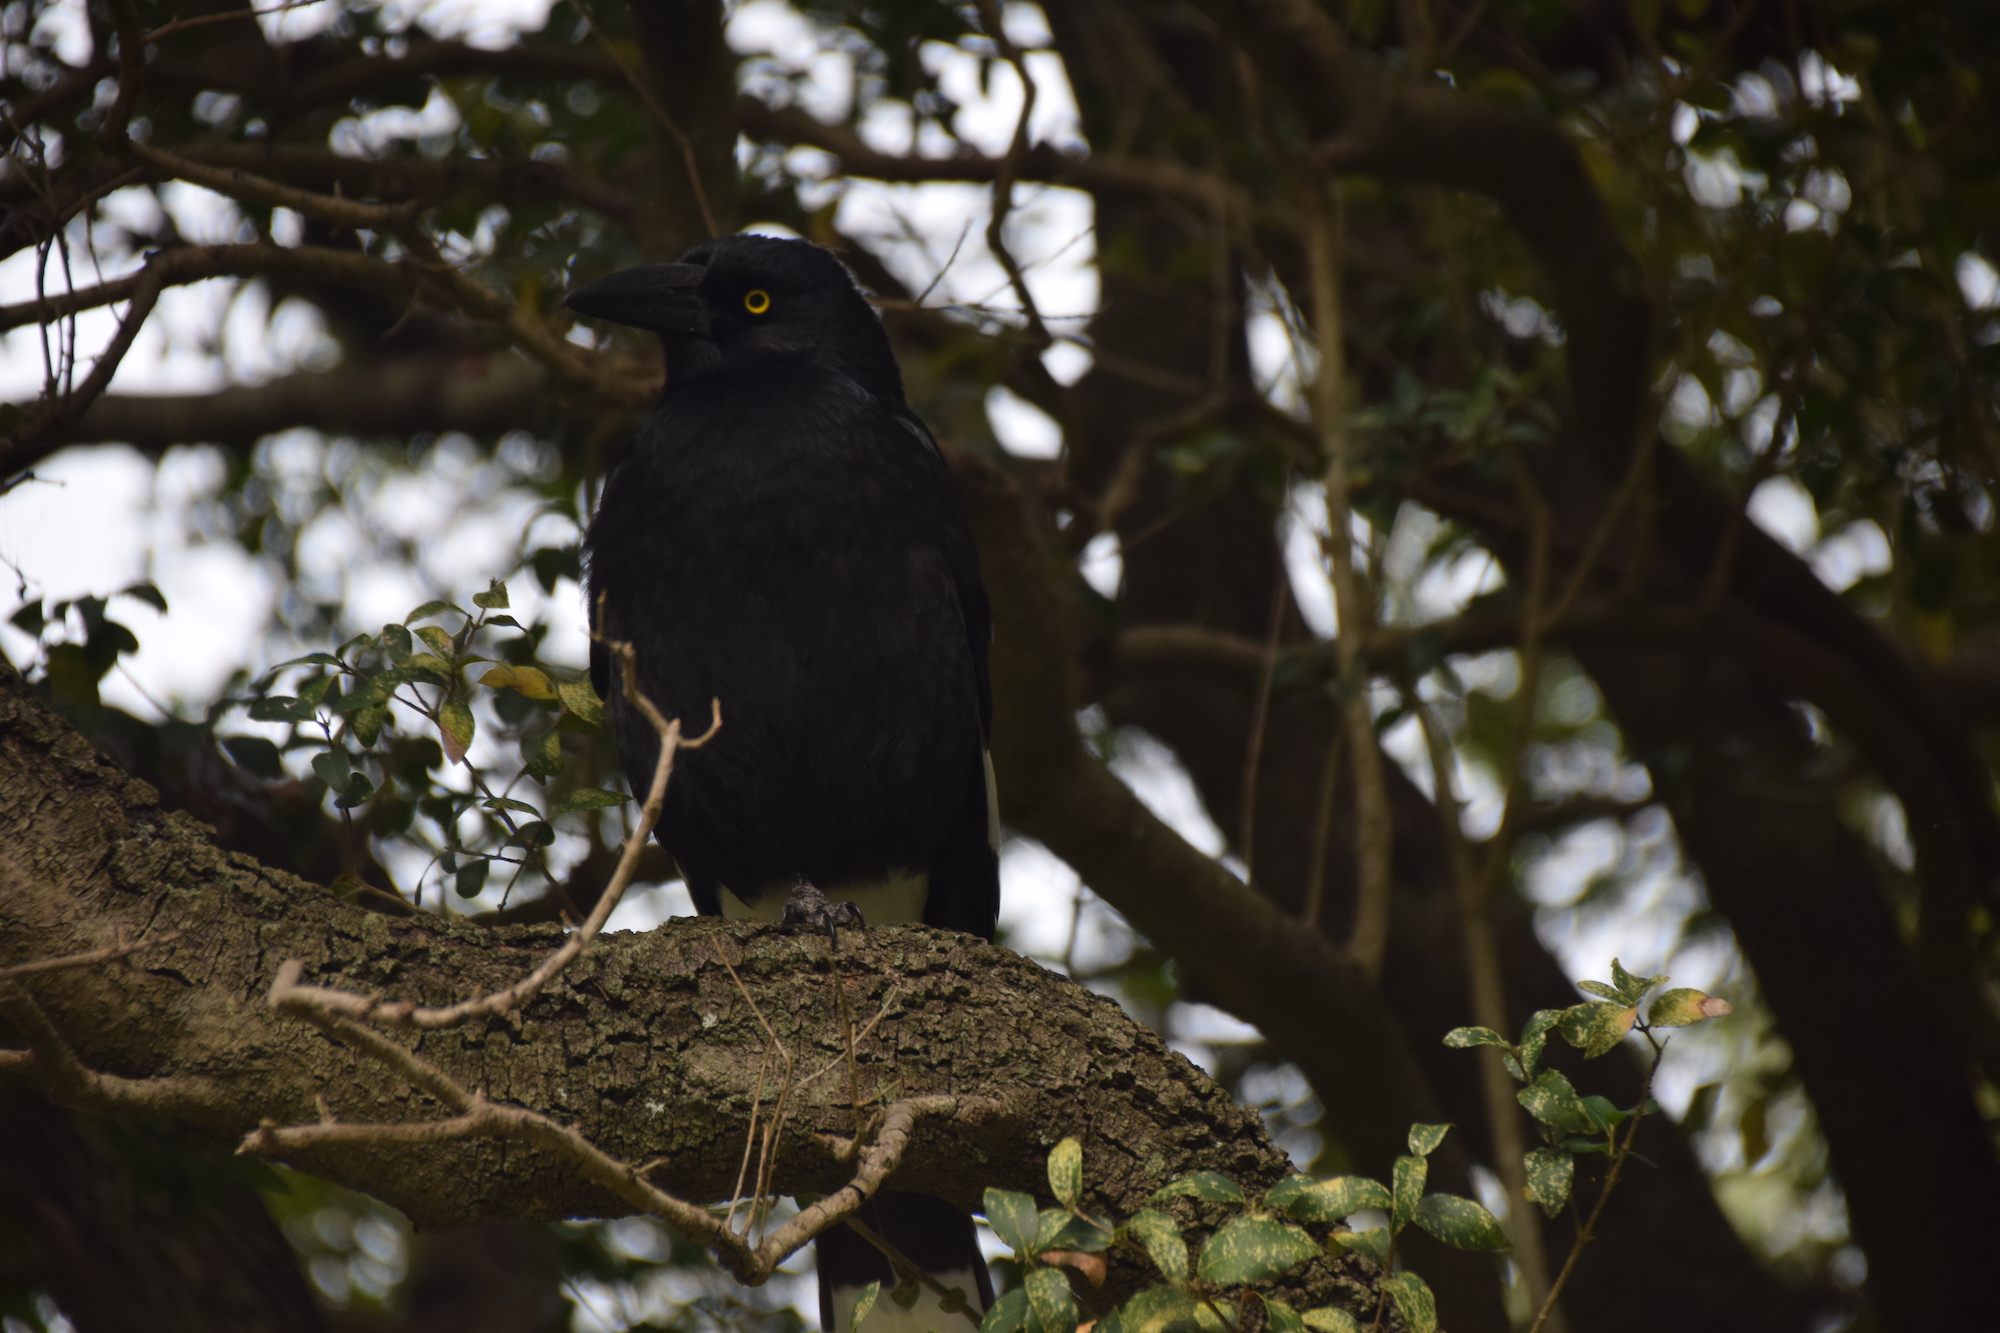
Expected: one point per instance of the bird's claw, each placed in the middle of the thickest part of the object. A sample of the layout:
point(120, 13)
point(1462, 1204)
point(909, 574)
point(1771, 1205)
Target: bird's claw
point(809, 907)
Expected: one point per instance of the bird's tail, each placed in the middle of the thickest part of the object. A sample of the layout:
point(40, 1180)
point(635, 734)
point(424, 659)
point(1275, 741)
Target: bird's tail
point(933, 1235)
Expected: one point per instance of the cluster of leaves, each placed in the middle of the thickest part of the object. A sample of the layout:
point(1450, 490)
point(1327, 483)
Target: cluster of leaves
point(1255, 1242)
point(73, 665)
point(1259, 1240)
point(354, 706)
point(1572, 1124)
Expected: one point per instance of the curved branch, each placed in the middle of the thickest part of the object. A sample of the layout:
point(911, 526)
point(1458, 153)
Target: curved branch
point(482, 397)
point(646, 1046)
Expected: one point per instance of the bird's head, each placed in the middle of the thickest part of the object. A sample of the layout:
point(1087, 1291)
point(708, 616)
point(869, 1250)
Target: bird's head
point(742, 298)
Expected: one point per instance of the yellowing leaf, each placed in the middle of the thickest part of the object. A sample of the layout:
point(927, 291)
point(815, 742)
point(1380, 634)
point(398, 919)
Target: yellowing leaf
point(1050, 1298)
point(1161, 1236)
point(581, 700)
point(1414, 1301)
point(1684, 1005)
point(531, 681)
point(1253, 1249)
point(1328, 1200)
point(455, 730)
point(1066, 1172)
point(1158, 1310)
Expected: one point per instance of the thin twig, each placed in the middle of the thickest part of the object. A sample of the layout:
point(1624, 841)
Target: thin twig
point(1323, 830)
point(689, 162)
point(1009, 173)
point(361, 1007)
point(476, 1117)
point(182, 25)
point(1587, 1230)
point(91, 958)
point(1374, 833)
point(903, 1264)
point(1489, 1003)
point(1260, 716)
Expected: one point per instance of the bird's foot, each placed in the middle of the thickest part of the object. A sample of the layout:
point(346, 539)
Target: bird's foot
point(809, 907)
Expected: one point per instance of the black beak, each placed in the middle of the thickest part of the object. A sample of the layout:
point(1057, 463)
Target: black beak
point(660, 297)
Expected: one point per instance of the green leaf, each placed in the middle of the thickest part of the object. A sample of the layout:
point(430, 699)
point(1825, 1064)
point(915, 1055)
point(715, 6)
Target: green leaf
point(1534, 1034)
point(1161, 1236)
point(357, 791)
point(1370, 1244)
point(509, 803)
point(1461, 1038)
point(472, 877)
point(1066, 1172)
point(1049, 1224)
point(1604, 1113)
point(366, 723)
point(1460, 1223)
point(1253, 1249)
point(29, 620)
point(864, 1303)
point(147, 593)
point(1050, 1298)
point(495, 599)
point(1598, 1027)
point(1282, 1317)
point(1424, 1139)
point(334, 768)
point(1414, 1301)
point(1331, 1319)
point(587, 798)
point(438, 641)
point(255, 754)
point(396, 643)
point(1553, 1101)
point(1060, 1229)
point(542, 753)
point(1202, 1185)
point(455, 730)
point(276, 708)
point(429, 609)
point(581, 700)
point(1009, 1314)
point(1599, 988)
point(1406, 1189)
point(1550, 1174)
point(1158, 1310)
point(1331, 1200)
point(535, 833)
point(1014, 1220)
point(1632, 989)
point(1684, 1005)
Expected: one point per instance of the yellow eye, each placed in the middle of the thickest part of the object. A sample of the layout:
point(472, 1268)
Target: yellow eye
point(757, 301)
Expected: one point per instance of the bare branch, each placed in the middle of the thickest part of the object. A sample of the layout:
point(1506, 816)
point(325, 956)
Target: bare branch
point(394, 219)
point(89, 958)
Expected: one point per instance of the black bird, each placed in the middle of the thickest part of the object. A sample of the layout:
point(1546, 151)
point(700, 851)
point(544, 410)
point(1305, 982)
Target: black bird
point(784, 535)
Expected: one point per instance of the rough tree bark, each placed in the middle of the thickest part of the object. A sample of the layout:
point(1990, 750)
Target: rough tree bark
point(648, 1045)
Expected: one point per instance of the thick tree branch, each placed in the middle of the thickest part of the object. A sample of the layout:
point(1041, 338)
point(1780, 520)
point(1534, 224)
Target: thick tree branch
point(645, 1046)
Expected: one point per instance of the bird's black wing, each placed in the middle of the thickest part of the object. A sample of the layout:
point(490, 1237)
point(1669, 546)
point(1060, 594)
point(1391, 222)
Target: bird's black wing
point(962, 556)
point(965, 875)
